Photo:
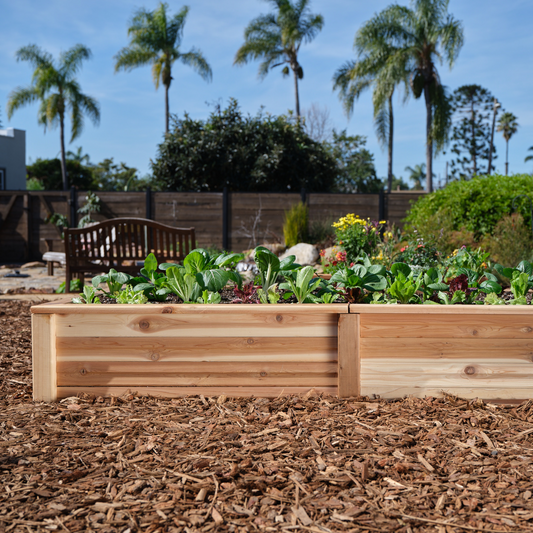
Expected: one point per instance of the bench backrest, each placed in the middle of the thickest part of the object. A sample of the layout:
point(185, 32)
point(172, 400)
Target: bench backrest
point(127, 239)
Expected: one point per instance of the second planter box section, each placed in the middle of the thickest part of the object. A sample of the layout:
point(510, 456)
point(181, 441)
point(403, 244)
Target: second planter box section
point(175, 350)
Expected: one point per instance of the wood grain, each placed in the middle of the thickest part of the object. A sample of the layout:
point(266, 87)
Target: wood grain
point(349, 356)
point(248, 324)
point(43, 359)
point(178, 392)
point(476, 322)
point(428, 349)
point(194, 349)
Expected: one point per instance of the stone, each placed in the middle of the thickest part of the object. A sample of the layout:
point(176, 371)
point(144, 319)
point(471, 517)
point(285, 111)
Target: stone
point(33, 264)
point(306, 254)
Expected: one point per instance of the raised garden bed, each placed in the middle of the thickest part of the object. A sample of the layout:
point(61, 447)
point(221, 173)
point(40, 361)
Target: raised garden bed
point(267, 350)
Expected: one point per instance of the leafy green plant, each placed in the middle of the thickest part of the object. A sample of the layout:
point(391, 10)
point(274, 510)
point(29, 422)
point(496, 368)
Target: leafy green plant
point(458, 297)
point(209, 297)
point(270, 296)
point(358, 279)
point(296, 224)
point(75, 286)
point(129, 296)
point(402, 285)
point(114, 280)
point(183, 284)
point(419, 252)
point(88, 296)
point(270, 267)
point(519, 284)
point(493, 299)
point(301, 285)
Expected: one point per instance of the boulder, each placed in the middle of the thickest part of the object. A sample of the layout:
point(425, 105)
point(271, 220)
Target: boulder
point(306, 254)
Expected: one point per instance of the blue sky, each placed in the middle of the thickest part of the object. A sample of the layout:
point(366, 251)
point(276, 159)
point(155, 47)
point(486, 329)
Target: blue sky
point(496, 54)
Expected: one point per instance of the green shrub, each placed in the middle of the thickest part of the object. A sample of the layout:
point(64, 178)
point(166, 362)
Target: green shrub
point(295, 226)
point(474, 206)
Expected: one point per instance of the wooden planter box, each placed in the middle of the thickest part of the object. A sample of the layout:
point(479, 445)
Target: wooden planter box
point(177, 350)
point(266, 350)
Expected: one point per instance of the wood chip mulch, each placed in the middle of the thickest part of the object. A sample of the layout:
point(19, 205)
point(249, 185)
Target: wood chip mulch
point(310, 463)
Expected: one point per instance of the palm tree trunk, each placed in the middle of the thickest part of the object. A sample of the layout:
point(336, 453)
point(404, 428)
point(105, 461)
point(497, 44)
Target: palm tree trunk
point(506, 157)
point(167, 113)
point(296, 95)
point(391, 133)
point(63, 160)
point(474, 147)
point(429, 141)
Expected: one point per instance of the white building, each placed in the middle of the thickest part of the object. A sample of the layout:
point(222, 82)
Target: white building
point(12, 159)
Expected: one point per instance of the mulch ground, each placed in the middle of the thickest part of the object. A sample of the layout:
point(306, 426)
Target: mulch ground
point(311, 463)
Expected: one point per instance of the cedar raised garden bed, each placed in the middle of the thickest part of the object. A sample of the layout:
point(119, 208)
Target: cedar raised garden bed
point(267, 350)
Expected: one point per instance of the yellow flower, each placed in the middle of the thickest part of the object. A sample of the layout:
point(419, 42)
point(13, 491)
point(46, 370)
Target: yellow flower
point(382, 221)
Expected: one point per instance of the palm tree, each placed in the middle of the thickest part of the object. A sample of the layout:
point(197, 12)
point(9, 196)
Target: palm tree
point(530, 156)
point(156, 40)
point(276, 39)
point(55, 86)
point(508, 125)
point(417, 175)
point(78, 156)
point(421, 36)
point(380, 66)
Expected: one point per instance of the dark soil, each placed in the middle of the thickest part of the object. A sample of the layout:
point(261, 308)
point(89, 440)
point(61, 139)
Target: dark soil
point(311, 463)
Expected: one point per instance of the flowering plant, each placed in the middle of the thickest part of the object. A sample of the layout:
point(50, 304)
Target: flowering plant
point(419, 252)
point(357, 236)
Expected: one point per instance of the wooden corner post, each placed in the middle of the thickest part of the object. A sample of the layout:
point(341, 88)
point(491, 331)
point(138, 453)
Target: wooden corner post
point(349, 356)
point(44, 358)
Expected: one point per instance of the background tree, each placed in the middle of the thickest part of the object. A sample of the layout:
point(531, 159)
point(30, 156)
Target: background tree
point(46, 174)
point(355, 164)
point(78, 156)
point(244, 153)
point(276, 39)
point(110, 176)
point(55, 86)
point(530, 156)
point(472, 108)
point(317, 122)
point(417, 175)
point(155, 39)
point(508, 125)
point(422, 36)
point(378, 65)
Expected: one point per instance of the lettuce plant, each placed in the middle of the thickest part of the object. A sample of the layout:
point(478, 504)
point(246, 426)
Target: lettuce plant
point(357, 279)
point(114, 280)
point(402, 285)
point(129, 296)
point(88, 296)
point(301, 285)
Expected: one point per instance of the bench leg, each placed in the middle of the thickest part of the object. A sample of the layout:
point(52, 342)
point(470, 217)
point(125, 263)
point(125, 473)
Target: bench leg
point(50, 265)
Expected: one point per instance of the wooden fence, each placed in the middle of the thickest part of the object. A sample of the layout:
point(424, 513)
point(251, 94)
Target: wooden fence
point(234, 221)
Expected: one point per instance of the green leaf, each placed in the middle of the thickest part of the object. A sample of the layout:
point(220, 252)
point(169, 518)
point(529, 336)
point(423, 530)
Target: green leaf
point(213, 280)
point(380, 270)
point(525, 266)
point(228, 259)
point(150, 263)
point(402, 268)
point(490, 286)
point(195, 262)
point(265, 259)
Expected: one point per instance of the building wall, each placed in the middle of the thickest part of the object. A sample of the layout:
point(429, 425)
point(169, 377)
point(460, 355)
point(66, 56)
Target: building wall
point(13, 158)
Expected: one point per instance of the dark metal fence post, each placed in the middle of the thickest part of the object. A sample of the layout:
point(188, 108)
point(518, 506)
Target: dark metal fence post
point(381, 208)
point(148, 203)
point(73, 208)
point(225, 219)
point(303, 195)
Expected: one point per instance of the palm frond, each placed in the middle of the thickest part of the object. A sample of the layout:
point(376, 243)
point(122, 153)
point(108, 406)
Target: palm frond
point(20, 97)
point(197, 61)
point(72, 59)
point(132, 57)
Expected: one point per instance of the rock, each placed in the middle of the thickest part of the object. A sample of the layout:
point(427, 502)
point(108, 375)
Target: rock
point(306, 254)
point(33, 264)
point(275, 248)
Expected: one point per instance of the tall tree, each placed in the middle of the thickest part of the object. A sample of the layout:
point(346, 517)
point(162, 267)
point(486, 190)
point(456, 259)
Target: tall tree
point(55, 86)
point(530, 156)
point(508, 125)
point(276, 38)
point(422, 35)
point(155, 39)
point(379, 65)
point(472, 108)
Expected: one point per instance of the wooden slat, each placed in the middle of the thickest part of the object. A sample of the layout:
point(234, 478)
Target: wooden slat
point(442, 322)
point(179, 392)
point(348, 356)
point(248, 324)
point(427, 349)
point(194, 349)
point(44, 358)
point(194, 374)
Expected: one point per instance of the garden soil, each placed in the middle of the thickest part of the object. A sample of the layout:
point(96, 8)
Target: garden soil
point(311, 463)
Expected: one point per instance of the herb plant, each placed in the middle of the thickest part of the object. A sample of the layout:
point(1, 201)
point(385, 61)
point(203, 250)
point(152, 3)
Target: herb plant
point(88, 296)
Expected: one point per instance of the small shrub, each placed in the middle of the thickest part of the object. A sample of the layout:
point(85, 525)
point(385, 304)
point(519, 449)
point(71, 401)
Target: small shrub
point(511, 241)
point(357, 236)
point(322, 232)
point(295, 226)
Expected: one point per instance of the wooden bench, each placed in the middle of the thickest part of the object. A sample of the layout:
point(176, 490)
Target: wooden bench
point(123, 243)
